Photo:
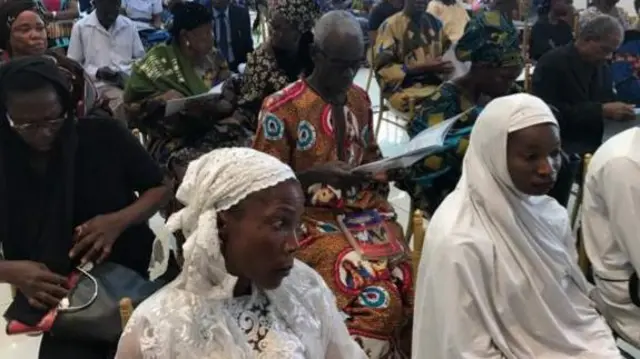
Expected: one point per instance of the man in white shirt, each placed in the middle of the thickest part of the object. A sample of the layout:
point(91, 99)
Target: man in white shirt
point(106, 44)
point(611, 228)
point(146, 14)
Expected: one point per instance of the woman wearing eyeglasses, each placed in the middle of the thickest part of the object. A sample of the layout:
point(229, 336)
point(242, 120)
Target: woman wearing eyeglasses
point(67, 195)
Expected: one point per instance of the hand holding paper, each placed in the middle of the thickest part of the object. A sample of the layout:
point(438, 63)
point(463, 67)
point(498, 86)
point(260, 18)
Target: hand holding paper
point(425, 143)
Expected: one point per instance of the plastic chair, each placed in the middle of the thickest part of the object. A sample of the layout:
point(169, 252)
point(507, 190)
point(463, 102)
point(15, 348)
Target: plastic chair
point(400, 119)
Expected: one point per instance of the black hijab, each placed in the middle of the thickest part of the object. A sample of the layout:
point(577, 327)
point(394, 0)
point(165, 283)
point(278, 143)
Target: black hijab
point(36, 210)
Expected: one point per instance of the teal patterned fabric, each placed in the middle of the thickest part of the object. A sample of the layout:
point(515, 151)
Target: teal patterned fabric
point(490, 39)
point(430, 180)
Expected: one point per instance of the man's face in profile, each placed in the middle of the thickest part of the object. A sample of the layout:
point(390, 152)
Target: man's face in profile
point(601, 51)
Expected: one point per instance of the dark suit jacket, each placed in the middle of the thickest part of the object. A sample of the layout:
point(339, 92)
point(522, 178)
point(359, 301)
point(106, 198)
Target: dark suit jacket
point(577, 90)
point(241, 39)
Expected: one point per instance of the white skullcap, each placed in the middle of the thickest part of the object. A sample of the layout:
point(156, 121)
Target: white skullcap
point(213, 183)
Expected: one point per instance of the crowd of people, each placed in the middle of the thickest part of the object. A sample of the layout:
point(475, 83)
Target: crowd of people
point(251, 153)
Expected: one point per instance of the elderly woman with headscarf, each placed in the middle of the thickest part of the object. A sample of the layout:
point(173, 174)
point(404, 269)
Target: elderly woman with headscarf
point(498, 276)
point(491, 44)
point(23, 33)
point(241, 293)
point(282, 59)
point(73, 190)
point(187, 66)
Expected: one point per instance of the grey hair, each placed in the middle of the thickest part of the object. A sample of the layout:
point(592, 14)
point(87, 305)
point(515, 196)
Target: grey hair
point(336, 24)
point(601, 28)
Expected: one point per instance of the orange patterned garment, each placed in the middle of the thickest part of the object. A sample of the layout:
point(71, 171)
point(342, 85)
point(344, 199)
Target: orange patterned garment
point(376, 297)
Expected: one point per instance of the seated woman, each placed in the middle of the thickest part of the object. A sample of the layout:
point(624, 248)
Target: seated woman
point(553, 28)
point(322, 127)
point(407, 55)
point(22, 33)
point(491, 43)
point(68, 196)
point(241, 293)
point(281, 60)
point(498, 276)
point(187, 66)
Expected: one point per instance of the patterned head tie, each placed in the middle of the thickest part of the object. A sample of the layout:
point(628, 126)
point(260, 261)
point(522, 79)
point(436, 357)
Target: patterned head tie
point(491, 40)
point(302, 13)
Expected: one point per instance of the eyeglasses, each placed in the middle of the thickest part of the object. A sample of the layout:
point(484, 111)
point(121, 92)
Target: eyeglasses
point(32, 127)
point(341, 64)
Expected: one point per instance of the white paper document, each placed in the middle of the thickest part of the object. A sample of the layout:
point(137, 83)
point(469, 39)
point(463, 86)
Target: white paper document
point(522, 73)
point(424, 144)
point(177, 105)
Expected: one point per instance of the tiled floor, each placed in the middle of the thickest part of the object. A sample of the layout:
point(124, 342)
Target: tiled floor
point(390, 136)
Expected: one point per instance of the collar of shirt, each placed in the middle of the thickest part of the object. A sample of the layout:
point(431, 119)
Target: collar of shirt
point(117, 26)
point(217, 13)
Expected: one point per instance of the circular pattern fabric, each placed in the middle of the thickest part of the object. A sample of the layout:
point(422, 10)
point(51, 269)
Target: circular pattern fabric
point(374, 297)
point(306, 136)
point(273, 127)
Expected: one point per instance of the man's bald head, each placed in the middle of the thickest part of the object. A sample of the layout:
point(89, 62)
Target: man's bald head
point(337, 33)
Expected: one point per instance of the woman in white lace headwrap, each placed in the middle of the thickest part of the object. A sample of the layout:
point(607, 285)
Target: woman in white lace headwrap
point(241, 294)
point(498, 276)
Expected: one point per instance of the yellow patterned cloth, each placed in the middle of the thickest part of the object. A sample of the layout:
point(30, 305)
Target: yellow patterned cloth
point(403, 42)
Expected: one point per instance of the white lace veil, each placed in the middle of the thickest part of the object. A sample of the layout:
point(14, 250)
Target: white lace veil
point(213, 183)
point(185, 319)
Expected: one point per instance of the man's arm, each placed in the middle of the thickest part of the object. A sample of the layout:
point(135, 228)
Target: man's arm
point(622, 197)
point(549, 82)
point(75, 50)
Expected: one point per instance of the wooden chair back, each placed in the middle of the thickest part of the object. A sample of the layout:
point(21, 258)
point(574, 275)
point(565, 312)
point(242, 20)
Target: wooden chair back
point(126, 310)
point(419, 233)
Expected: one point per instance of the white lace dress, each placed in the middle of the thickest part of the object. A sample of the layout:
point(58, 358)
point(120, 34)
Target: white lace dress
point(299, 320)
point(268, 335)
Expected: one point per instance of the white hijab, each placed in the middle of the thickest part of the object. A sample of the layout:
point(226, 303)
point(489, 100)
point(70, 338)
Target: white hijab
point(187, 318)
point(525, 257)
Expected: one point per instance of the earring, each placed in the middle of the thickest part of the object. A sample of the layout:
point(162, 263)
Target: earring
point(188, 43)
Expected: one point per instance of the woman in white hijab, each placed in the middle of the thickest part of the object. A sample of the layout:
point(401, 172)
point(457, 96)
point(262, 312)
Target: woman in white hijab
point(241, 294)
point(498, 276)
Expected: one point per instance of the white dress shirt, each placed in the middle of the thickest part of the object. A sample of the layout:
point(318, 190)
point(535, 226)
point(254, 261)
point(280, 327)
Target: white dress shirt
point(95, 47)
point(141, 12)
point(611, 227)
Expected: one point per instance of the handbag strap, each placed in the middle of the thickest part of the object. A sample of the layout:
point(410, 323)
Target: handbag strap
point(64, 304)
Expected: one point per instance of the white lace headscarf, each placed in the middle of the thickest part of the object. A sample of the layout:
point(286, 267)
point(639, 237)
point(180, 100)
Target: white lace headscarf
point(213, 183)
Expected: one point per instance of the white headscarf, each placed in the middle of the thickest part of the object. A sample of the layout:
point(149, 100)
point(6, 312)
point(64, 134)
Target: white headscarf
point(214, 183)
point(532, 230)
point(504, 260)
